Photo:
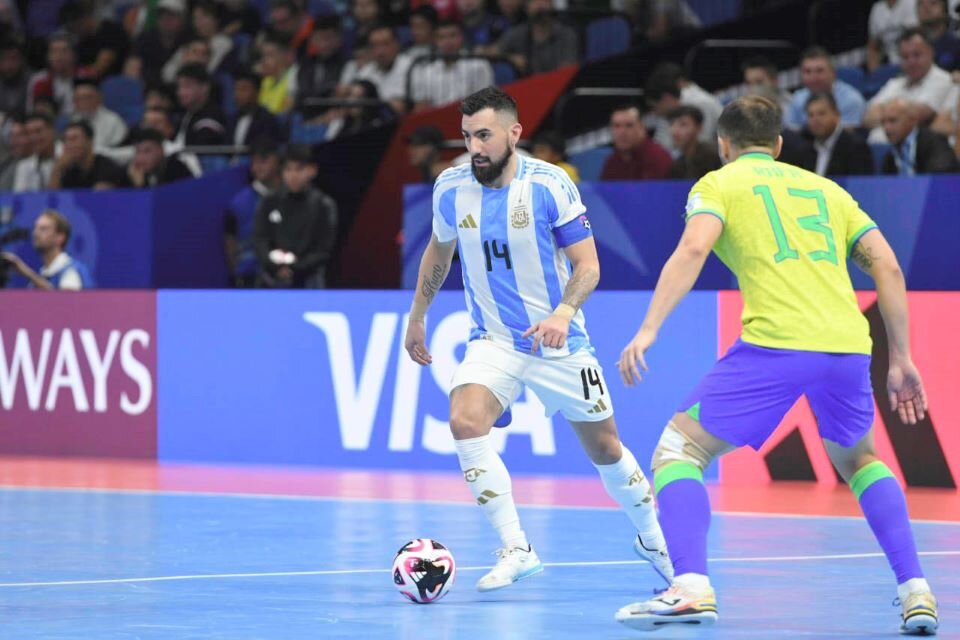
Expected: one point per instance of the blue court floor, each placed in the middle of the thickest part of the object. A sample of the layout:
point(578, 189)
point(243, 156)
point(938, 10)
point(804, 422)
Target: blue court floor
point(126, 565)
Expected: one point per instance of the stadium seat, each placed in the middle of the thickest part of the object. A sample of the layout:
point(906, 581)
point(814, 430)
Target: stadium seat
point(212, 164)
point(503, 72)
point(589, 163)
point(874, 81)
point(304, 133)
point(853, 76)
point(607, 36)
point(879, 151)
point(124, 95)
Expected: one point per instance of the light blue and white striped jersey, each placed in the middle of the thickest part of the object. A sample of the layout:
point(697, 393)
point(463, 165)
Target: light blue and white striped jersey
point(510, 239)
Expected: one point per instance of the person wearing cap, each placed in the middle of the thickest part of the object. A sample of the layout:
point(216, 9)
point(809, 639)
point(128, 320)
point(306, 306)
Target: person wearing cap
point(239, 217)
point(423, 149)
point(154, 47)
point(295, 228)
point(252, 121)
point(202, 121)
point(151, 166)
point(109, 129)
point(79, 167)
point(550, 146)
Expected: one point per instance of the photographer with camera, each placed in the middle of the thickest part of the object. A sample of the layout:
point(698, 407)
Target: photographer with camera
point(51, 233)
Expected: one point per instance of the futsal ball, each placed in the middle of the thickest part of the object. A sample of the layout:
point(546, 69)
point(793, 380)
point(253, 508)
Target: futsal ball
point(424, 570)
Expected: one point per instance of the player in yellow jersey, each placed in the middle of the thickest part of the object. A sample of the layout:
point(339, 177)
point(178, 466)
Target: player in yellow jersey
point(786, 233)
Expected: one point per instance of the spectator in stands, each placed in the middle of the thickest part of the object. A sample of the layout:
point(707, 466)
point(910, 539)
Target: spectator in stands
point(543, 43)
point(207, 25)
point(659, 20)
point(240, 214)
point(157, 96)
point(387, 69)
point(550, 146)
point(51, 235)
point(511, 13)
point(319, 74)
point(289, 23)
point(14, 76)
point(666, 89)
point(349, 120)
point(696, 158)
point(448, 78)
point(477, 22)
point(635, 156)
point(101, 45)
point(819, 76)
point(423, 150)
point(109, 129)
point(915, 149)
point(888, 19)
point(240, 16)
point(252, 121)
point(18, 144)
point(154, 47)
point(760, 71)
point(839, 152)
point(295, 229)
point(365, 15)
point(56, 81)
point(278, 87)
point(194, 51)
point(33, 172)
point(422, 23)
point(151, 166)
point(923, 84)
point(161, 120)
point(947, 122)
point(78, 167)
point(202, 121)
point(934, 17)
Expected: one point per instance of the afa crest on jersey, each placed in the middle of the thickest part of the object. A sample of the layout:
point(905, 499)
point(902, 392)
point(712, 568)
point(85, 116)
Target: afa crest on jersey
point(520, 217)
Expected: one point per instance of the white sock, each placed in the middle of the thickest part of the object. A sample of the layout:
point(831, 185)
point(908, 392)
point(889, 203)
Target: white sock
point(489, 481)
point(913, 584)
point(696, 582)
point(625, 482)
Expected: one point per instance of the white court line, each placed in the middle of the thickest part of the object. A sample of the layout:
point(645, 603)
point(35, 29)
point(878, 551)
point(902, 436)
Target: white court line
point(340, 572)
point(449, 503)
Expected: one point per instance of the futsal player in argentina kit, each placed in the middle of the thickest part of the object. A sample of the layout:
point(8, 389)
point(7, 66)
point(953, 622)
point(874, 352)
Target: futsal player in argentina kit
point(521, 226)
point(786, 234)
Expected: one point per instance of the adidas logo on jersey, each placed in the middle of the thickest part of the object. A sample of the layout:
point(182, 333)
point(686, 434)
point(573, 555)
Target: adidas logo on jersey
point(468, 222)
point(600, 407)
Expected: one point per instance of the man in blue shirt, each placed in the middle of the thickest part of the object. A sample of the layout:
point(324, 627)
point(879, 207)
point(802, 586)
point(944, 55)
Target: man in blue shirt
point(818, 76)
point(51, 234)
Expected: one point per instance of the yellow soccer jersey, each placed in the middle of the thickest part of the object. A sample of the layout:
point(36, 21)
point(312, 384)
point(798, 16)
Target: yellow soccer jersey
point(786, 235)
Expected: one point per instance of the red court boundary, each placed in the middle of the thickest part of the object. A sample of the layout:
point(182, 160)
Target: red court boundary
point(788, 498)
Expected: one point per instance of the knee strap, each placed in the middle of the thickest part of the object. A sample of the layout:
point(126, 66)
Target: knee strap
point(676, 446)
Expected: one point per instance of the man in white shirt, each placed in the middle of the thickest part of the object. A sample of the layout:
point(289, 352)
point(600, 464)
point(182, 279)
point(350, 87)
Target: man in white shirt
point(665, 90)
point(33, 172)
point(109, 129)
point(387, 70)
point(448, 78)
point(888, 19)
point(923, 85)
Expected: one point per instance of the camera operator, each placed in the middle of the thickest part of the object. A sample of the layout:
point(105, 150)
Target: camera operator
point(51, 233)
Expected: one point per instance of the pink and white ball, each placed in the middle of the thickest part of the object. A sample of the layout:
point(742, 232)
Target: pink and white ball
point(424, 570)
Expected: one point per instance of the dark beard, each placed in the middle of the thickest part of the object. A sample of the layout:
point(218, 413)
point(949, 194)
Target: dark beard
point(488, 174)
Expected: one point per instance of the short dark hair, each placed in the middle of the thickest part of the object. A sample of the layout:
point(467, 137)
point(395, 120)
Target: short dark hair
point(330, 22)
point(825, 96)
point(209, 7)
point(201, 40)
point(86, 82)
point(751, 121)
point(914, 32)
point(447, 22)
point(147, 135)
point(194, 71)
point(289, 5)
point(663, 80)
point(81, 124)
point(264, 146)
point(760, 62)
point(38, 115)
point(816, 51)
point(552, 139)
point(381, 26)
point(489, 98)
point(299, 153)
point(60, 224)
point(428, 13)
point(686, 111)
point(248, 75)
point(628, 106)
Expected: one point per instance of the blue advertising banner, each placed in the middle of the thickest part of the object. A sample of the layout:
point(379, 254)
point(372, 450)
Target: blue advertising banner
point(637, 225)
point(321, 378)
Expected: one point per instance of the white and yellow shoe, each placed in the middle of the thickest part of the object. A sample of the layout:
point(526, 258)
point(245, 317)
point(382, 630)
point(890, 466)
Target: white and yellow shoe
point(512, 565)
point(675, 606)
point(919, 617)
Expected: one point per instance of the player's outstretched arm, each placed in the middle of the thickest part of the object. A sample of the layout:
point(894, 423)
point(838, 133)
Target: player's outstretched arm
point(552, 331)
point(874, 256)
point(434, 266)
point(677, 278)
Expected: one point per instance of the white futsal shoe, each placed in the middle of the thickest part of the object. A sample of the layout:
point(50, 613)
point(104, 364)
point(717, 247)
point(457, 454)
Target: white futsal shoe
point(675, 606)
point(919, 617)
point(512, 565)
point(659, 558)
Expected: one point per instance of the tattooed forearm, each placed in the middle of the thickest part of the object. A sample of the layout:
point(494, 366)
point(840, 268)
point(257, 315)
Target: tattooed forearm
point(580, 286)
point(433, 281)
point(863, 257)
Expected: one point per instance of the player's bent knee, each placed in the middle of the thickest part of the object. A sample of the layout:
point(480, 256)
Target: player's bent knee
point(465, 425)
point(676, 446)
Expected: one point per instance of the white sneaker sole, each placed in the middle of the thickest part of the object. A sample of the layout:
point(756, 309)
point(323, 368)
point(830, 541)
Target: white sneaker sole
point(920, 625)
point(652, 621)
point(538, 568)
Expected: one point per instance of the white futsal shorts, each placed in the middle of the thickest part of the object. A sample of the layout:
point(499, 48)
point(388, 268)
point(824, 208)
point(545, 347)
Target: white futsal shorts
point(573, 385)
